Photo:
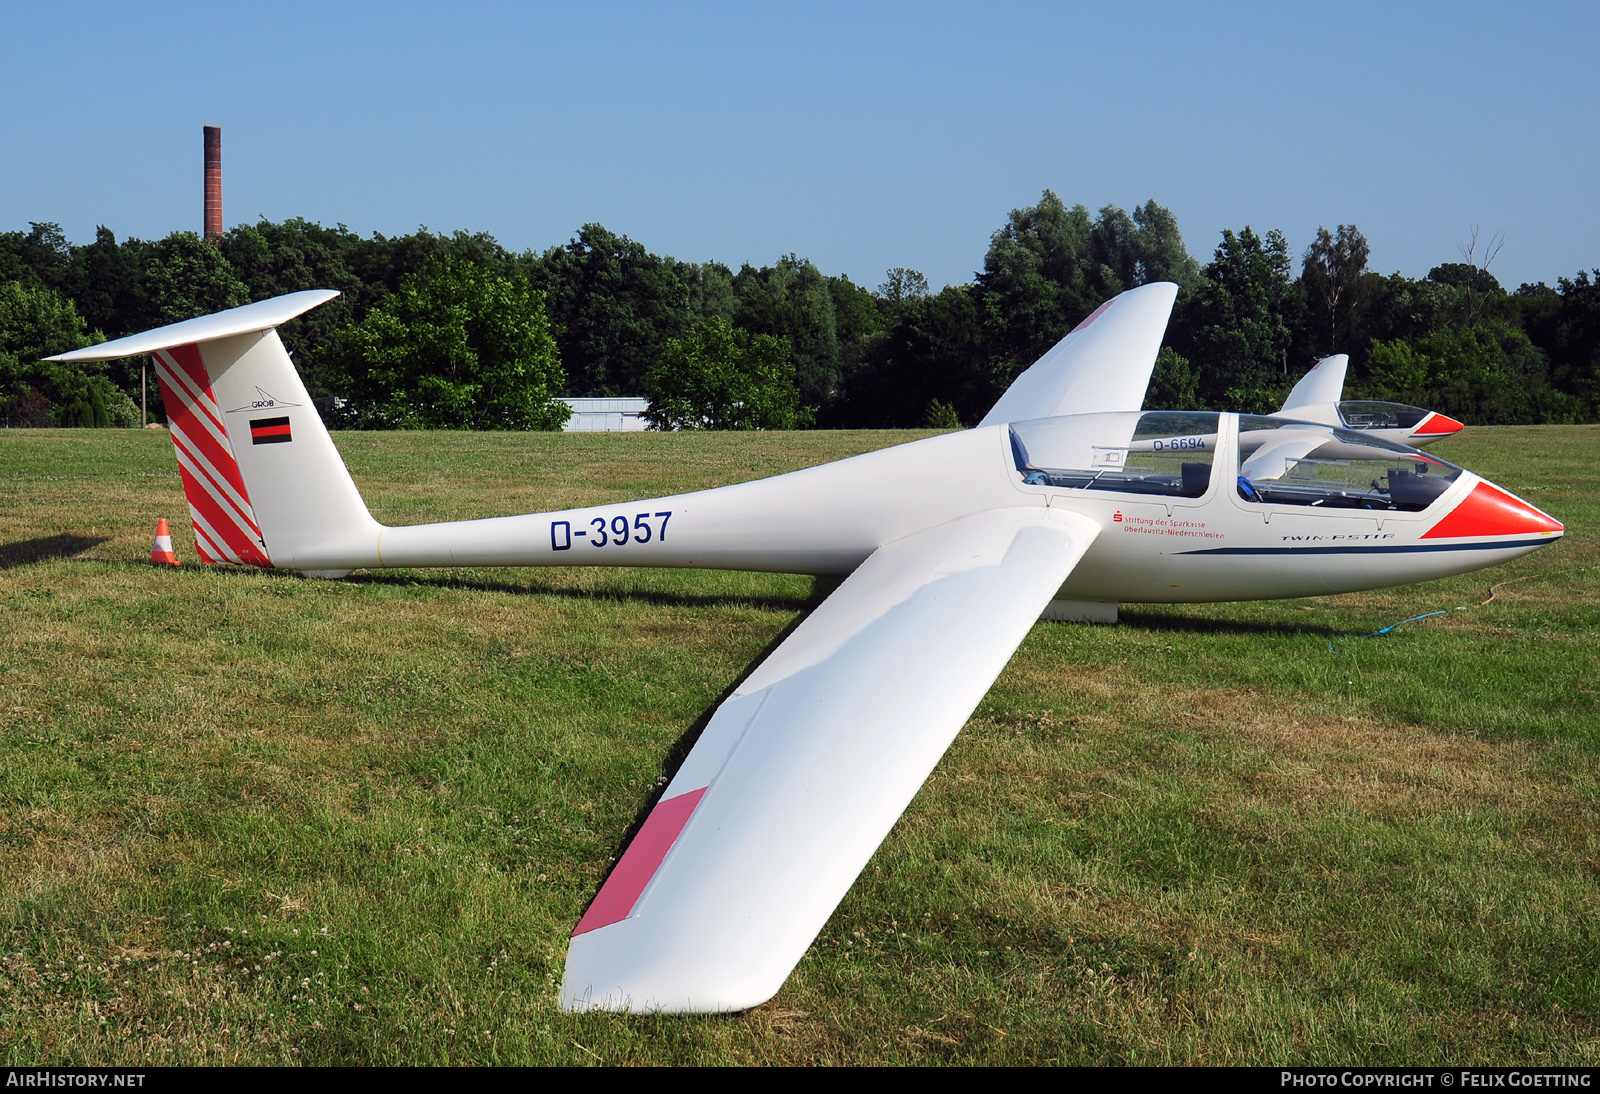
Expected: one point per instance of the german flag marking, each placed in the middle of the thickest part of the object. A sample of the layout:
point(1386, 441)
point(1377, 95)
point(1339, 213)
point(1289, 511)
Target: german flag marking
point(269, 431)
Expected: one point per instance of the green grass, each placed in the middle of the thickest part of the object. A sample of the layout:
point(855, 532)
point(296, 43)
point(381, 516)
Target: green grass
point(246, 817)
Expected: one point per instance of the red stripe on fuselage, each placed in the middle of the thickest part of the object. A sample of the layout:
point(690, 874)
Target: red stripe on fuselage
point(640, 862)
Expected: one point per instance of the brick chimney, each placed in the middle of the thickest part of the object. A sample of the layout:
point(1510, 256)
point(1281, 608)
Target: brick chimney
point(213, 230)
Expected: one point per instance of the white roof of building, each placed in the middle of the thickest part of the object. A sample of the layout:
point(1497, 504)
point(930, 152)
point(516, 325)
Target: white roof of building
point(619, 404)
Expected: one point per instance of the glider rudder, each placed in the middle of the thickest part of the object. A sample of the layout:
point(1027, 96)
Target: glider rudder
point(264, 482)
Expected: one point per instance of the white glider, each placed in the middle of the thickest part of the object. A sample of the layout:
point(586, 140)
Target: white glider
point(1065, 501)
point(1318, 397)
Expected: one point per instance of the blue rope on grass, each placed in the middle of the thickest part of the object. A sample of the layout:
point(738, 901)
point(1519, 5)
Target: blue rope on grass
point(1375, 634)
point(1413, 619)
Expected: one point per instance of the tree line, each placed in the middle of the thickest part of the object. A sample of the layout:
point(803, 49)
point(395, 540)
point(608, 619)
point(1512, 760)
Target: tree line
point(456, 331)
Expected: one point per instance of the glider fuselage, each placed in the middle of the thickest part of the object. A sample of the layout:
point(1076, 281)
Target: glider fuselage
point(827, 520)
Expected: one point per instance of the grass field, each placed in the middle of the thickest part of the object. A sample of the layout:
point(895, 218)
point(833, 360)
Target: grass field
point(247, 817)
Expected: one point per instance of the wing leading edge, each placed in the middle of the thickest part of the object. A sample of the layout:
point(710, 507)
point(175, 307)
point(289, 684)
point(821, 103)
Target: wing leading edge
point(1322, 383)
point(801, 773)
point(1104, 364)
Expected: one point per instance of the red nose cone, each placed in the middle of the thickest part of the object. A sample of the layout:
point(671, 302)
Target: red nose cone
point(1490, 511)
point(1436, 425)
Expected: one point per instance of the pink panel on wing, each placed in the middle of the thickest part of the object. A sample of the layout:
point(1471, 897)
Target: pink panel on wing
point(640, 862)
point(1092, 316)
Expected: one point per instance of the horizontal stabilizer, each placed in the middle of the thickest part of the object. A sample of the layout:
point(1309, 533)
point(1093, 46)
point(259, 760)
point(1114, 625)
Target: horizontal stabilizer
point(1284, 448)
point(260, 316)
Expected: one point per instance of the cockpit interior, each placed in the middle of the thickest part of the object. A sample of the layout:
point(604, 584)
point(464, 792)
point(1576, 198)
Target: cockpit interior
point(1368, 414)
point(1172, 454)
point(1296, 463)
point(1154, 452)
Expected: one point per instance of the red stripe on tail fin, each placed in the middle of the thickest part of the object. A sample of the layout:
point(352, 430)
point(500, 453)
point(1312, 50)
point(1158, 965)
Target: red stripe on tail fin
point(218, 500)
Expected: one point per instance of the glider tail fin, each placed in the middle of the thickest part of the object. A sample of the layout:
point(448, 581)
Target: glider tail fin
point(265, 484)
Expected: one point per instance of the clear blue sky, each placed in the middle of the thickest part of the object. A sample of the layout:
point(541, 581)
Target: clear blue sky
point(860, 135)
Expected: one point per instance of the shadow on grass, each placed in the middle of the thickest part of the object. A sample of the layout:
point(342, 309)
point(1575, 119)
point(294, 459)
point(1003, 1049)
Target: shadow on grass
point(1147, 619)
point(45, 549)
point(1154, 621)
point(536, 588)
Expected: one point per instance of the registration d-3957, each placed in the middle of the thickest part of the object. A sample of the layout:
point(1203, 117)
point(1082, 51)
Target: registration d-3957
point(611, 531)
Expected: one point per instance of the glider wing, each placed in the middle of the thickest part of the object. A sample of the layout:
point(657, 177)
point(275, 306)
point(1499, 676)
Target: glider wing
point(803, 770)
point(1283, 449)
point(1103, 365)
point(1322, 383)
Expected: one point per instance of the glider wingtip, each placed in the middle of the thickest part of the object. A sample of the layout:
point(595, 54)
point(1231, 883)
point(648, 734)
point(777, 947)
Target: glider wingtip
point(1162, 291)
point(1160, 296)
point(662, 978)
point(1150, 290)
point(619, 1001)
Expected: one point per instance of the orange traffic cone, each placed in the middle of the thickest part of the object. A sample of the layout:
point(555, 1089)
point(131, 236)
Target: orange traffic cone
point(161, 550)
